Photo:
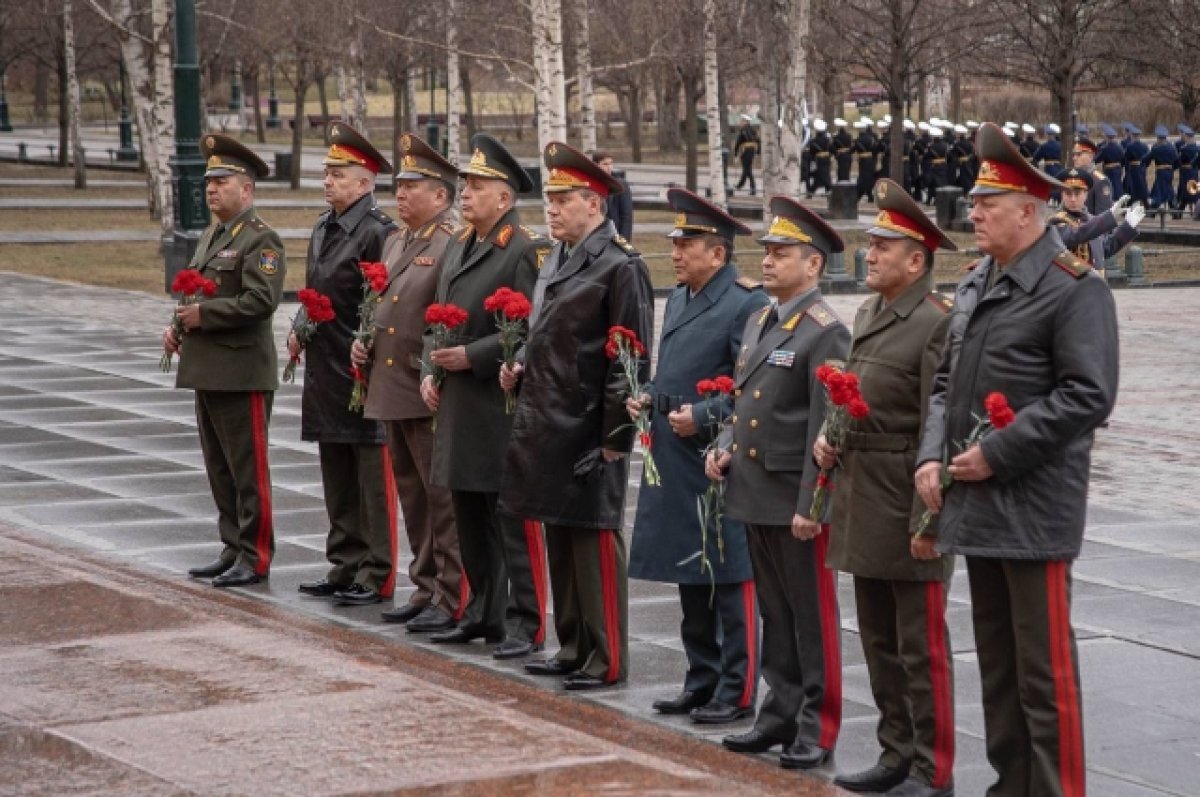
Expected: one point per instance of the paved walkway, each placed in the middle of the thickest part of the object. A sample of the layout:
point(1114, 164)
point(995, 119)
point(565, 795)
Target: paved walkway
point(98, 451)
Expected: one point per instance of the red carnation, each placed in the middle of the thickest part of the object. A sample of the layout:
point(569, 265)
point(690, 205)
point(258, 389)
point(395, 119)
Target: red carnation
point(497, 300)
point(723, 384)
point(858, 409)
point(705, 386)
point(1000, 414)
point(517, 307)
point(510, 309)
point(190, 286)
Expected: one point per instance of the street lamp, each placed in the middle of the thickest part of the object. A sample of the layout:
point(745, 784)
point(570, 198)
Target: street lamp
point(126, 152)
point(187, 167)
point(5, 125)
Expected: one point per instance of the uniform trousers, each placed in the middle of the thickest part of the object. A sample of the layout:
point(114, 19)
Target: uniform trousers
point(801, 641)
point(907, 648)
point(1029, 672)
point(720, 637)
point(233, 441)
point(436, 568)
point(504, 561)
point(590, 583)
point(360, 499)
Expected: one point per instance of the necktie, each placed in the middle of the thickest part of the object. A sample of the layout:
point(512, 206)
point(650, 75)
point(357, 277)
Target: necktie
point(772, 319)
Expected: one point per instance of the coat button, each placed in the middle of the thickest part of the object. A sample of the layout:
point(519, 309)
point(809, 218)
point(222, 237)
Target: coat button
point(391, 330)
point(378, 299)
point(752, 453)
point(754, 423)
point(733, 447)
point(758, 394)
point(737, 393)
point(395, 299)
point(733, 418)
point(388, 361)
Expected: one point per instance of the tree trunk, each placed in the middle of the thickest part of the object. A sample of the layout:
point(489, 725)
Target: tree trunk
point(41, 92)
point(633, 124)
point(74, 111)
point(922, 97)
point(587, 92)
point(410, 101)
point(781, 173)
point(691, 126)
point(399, 111)
point(453, 84)
point(669, 139)
point(468, 98)
point(549, 84)
point(163, 117)
point(298, 122)
point(64, 105)
point(322, 95)
point(712, 106)
point(955, 92)
point(253, 91)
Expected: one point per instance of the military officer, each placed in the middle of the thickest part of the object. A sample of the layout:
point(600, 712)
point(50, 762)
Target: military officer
point(1189, 161)
point(1165, 158)
point(864, 150)
point(1038, 325)
point(1083, 154)
point(503, 554)
point(227, 356)
point(843, 150)
point(1094, 239)
point(360, 496)
point(745, 147)
point(425, 186)
point(765, 453)
point(900, 581)
point(567, 463)
point(1110, 159)
point(820, 153)
point(701, 336)
point(1136, 155)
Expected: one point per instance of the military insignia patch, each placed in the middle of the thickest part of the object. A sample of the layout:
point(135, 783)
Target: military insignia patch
point(941, 302)
point(405, 142)
point(790, 324)
point(466, 233)
point(210, 142)
point(268, 262)
point(881, 190)
point(228, 254)
point(541, 257)
point(423, 261)
point(504, 236)
point(762, 317)
point(781, 358)
point(1071, 264)
point(821, 314)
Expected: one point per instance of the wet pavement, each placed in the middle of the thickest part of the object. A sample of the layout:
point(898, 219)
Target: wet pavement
point(117, 669)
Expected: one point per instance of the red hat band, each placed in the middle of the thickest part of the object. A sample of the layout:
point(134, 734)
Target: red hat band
point(566, 179)
point(1006, 177)
point(354, 156)
point(898, 222)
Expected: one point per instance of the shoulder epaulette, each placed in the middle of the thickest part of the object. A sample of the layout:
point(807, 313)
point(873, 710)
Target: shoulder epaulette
point(397, 230)
point(762, 317)
point(448, 227)
point(381, 217)
point(747, 283)
point(531, 233)
point(1062, 217)
point(257, 224)
point(466, 233)
point(940, 301)
point(1071, 264)
point(969, 267)
point(504, 236)
point(620, 241)
point(1099, 174)
point(822, 313)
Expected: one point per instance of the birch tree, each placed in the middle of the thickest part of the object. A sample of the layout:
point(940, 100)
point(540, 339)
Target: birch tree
point(74, 110)
point(549, 81)
point(712, 105)
point(453, 85)
point(783, 65)
point(583, 64)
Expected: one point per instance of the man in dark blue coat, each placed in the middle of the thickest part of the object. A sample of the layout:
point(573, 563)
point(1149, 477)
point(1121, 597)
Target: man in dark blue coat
point(1110, 158)
point(1165, 158)
point(1189, 160)
point(1136, 153)
point(701, 337)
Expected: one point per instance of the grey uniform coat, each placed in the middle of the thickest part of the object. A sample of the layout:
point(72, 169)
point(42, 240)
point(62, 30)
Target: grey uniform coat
point(1046, 336)
point(778, 409)
point(1092, 238)
point(701, 338)
point(472, 425)
point(876, 509)
point(572, 398)
point(339, 244)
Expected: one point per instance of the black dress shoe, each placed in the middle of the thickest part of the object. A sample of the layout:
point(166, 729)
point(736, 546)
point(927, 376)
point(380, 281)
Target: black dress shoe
point(717, 712)
point(431, 618)
point(915, 788)
point(582, 682)
point(211, 570)
point(550, 666)
point(356, 595)
point(803, 755)
point(753, 741)
point(515, 648)
point(319, 589)
point(461, 635)
point(401, 614)
point(682, 703)
point(878, 778)
point(236, 577)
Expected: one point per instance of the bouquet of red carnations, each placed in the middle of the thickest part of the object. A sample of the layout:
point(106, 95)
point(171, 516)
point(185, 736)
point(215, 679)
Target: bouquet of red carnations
point(315, 309)
point(846, 405)
point(190, 286)
point(442, 319)
point(375, 279)
point(710, 507)
point(624, 347)
point(511, 309)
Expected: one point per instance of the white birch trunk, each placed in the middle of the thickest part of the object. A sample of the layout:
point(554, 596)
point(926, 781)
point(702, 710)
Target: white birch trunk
point(358, 82)
point(344, 100)
point(73, 105)
point(549, 86)
point(453, 85)
point(163, 111)
point(410, 100)
point(712, 105)
point(587, 93)
point(781, 171)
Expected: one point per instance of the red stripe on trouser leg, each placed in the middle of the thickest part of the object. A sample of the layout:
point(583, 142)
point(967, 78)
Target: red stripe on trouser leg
point(537, 564)
point(939, 676)
point(392, 498)
point(1066, 690)
point(464, 596)
point(751, 620)
point(608, 591)
point(262, 476)
point(831, 704)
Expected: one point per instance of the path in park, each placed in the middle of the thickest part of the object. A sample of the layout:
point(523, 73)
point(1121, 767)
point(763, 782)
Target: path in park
point(98, 455)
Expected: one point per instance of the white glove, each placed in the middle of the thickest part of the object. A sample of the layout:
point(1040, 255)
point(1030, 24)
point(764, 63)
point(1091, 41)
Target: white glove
point(1134, 215)
point(1121, 207)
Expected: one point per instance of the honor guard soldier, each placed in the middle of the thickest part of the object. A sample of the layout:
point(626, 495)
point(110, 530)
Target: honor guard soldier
point(900, 580)
point(1165, 158)
point(1100, 195)
point(963, 155)
point(864, 149)
point(425, 187)
point(1111, 159)
point(820, 153)
point(935, 168)
point(745, 147)
point(360, 496)
point(1049, 154)
point(1029, 145)
point(1094, 239)
point(1189, 169)
point(1136, 155)
point(1034, 323)
point(568, 461)
point(765, 455)
point(227, 355)
point(843, 147)
point(503, 555)
point(701, 337)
